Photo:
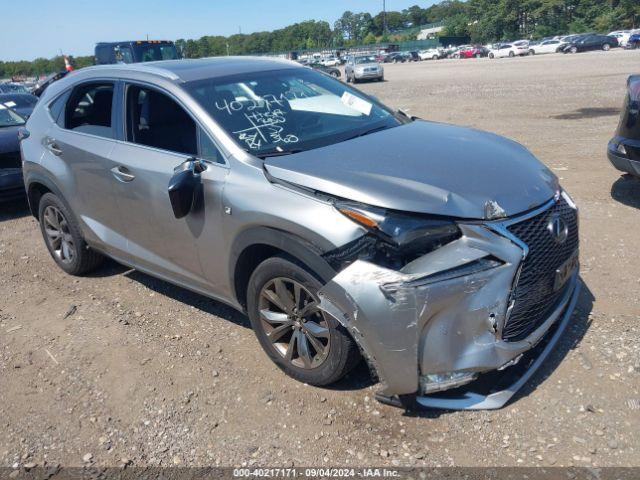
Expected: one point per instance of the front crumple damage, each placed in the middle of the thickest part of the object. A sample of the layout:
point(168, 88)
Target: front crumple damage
point(443, 312)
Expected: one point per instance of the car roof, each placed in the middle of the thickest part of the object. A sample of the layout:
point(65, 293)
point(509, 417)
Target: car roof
point(188, 70)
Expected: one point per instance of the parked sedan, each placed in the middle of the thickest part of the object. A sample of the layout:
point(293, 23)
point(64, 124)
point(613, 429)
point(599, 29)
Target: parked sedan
point(333, 71)
point(624, 148)
point(396, 57)
point(590, 42)
point(474, 52)
point(545, 47)
point(363, 67)
point(11, 183)
point(446, 256)
point(23, 103)
point(508, 50)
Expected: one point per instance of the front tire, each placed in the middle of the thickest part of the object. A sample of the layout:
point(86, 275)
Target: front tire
point(303, 341)
point(606, 47)
point(511, 54)
point(63, 238)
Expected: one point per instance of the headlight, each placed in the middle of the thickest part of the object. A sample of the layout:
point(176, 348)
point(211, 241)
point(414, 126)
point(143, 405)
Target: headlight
point(402, 237)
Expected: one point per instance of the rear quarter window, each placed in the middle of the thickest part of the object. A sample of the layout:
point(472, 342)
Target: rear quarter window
point(56, 109)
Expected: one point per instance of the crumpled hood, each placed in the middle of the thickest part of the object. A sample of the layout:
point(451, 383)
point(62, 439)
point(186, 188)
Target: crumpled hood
point(425, 167)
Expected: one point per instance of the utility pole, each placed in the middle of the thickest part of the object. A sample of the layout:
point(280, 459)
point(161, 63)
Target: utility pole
point(384, 17)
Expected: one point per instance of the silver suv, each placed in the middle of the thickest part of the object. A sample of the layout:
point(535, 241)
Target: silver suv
point(442, 255)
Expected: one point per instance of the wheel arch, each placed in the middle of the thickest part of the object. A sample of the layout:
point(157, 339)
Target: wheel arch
point(256, 244)
point(37, 186)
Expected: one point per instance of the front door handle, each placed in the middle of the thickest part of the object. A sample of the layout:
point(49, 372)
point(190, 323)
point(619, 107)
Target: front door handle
point(52, 146)
point(122, 173)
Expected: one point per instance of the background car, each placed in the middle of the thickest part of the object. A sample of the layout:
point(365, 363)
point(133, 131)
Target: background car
point(331, 61)
point(333, 71)
point(43, 84)
point(13, 88)
point(622, 36)
point(634, 41)
point(431, 54)
point(508, 50)
point(23, 103)
point(546, 46)
point(624, 147)
point(11, 183)
point(592, 41)
point(395, 57)
point(363, 67)
point(475, 52)
point(412, 56)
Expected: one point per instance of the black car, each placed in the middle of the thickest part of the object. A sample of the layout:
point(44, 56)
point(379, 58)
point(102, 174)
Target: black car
point(23, 103)
point(11, 183)
point(334, 72)
point(395, 57)
point(42, 85)
point(624, 147)
point(591, 41)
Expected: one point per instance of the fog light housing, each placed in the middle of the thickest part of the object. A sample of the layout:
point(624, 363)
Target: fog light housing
point(444, 381)
point(621, 149)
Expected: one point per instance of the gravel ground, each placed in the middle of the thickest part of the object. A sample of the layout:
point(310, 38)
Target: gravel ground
point(122, 368)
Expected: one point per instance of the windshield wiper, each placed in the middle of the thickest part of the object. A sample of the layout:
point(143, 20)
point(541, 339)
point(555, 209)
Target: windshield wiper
point(279, 153)
point(370, 131)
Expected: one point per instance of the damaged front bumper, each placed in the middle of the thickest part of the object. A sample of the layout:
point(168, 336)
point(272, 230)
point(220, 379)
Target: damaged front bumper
point(438, 323)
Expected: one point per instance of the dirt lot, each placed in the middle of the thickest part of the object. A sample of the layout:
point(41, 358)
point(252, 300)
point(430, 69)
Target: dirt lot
point(120, 367)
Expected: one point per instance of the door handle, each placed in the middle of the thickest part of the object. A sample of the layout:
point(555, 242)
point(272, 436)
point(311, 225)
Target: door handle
point(122, 173)
point(51, 145)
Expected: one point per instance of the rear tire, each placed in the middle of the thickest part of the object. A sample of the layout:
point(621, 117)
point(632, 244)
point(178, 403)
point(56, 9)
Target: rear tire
point(63, 237)
point(511, 54)
point(606, 47)
point(492, 56)
point(305, 343)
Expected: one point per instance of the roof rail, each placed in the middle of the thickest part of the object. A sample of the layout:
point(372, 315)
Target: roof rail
point(138, 67)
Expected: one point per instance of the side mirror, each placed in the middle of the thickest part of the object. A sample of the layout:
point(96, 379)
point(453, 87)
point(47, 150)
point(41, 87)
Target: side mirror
point(183, 187)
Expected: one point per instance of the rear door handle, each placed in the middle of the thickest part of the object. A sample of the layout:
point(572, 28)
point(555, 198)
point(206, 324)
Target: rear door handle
point(122, 173)
point(52, 146)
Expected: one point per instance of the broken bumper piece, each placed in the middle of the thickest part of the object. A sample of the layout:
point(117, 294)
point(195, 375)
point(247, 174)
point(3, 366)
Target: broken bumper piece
point(433, 331)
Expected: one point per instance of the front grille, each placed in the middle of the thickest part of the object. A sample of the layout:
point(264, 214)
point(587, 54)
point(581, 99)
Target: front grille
point(534, 296)
point(10, 160)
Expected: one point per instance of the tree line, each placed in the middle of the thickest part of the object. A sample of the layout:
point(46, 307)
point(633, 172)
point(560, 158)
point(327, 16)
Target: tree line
point(481, 20)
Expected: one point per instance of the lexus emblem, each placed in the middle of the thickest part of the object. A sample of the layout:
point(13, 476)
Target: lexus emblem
point(558, 229)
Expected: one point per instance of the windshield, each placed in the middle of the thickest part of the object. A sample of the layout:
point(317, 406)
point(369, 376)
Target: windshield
point(155, 52)
point(13, 101)
point(9, 118)
point(288, 110)
point(12, 88)
point(360, 60)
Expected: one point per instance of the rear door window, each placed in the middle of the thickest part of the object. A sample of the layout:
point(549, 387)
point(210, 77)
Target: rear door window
point(89, 110)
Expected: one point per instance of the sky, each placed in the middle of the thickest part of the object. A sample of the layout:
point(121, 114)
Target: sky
point(74, 26)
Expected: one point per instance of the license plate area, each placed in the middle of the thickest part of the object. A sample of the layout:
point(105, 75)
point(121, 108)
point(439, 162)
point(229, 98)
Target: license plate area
point(564, 272)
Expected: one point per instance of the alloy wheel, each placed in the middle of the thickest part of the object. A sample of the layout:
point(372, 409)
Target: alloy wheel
point(293, 323)
point(58, 234)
